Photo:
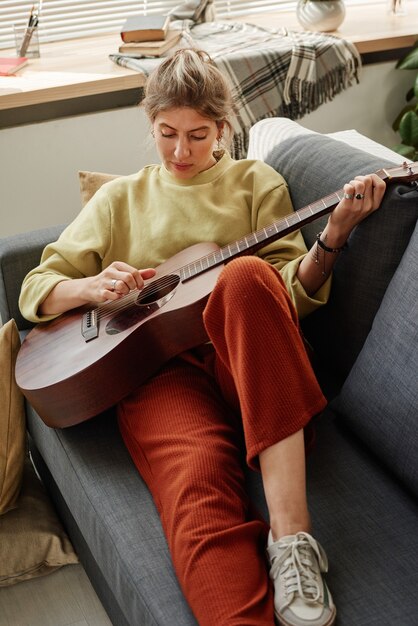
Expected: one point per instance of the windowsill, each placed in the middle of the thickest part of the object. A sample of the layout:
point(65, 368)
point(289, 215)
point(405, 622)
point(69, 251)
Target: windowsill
point(77, 76)
point(368, 30)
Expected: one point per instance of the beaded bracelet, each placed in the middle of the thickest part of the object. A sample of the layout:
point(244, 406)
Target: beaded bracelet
point(325, 248)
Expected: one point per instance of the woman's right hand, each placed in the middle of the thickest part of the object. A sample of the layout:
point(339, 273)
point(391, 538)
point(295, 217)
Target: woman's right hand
point(115, 281)
point(112, 283)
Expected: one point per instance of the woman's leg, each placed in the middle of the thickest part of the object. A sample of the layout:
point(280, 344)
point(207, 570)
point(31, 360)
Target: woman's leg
point(283, 470)
point(261, 362)
point(187, 444)
point(262, 365)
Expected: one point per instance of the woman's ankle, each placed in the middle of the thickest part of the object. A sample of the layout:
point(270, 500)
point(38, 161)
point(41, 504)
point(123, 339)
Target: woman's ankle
point(284, 527)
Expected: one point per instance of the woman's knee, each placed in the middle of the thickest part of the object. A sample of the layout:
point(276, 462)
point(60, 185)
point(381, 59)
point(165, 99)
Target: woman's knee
point(246, 268)
point(250, 279)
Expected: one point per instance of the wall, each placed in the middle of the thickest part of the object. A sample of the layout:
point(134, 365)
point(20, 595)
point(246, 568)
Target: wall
point(370, 107)
point(39, 162)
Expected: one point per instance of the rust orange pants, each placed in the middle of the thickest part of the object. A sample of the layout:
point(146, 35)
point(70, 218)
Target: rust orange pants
point(191, 428)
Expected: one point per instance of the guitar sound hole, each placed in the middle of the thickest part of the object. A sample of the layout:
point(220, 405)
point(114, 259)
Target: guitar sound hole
point(158, 290)
point(153, 297)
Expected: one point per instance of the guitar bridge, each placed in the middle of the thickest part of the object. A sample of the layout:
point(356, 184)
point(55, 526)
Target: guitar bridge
point(90, 325)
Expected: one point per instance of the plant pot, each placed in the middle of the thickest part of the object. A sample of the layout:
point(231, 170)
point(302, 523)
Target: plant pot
point(320, 15)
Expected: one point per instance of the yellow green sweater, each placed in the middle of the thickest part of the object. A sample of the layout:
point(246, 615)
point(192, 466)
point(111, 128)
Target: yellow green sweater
point(146, 218)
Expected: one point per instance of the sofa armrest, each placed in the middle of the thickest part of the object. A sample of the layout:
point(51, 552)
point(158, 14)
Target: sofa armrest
point(18, 255)
point(267, 134)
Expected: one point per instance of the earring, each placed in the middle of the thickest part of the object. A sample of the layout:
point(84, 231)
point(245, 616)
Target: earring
point(219, 152)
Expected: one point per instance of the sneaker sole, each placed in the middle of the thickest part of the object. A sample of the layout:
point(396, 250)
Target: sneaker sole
point(282, 622)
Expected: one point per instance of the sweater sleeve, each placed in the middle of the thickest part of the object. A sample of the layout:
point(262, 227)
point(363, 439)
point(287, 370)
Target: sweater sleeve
point(77, 253)
point(286, 253)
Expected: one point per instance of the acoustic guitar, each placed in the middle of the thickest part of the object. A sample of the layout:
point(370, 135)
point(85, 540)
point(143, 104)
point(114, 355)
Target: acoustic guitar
point(88, 359)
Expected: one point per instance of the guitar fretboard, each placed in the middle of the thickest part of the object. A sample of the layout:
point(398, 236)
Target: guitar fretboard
point(253, 242)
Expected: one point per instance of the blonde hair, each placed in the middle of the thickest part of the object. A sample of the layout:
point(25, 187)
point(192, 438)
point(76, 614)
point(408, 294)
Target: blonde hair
point(189, 78)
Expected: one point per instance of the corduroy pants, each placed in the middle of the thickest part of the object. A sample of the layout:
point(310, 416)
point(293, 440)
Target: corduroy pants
point(191, 428)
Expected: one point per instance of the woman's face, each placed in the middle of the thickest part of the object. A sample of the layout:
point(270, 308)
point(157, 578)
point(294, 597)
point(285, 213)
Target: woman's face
point(185, 141)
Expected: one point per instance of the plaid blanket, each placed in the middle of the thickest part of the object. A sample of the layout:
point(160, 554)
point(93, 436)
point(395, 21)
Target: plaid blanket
point(274, 73)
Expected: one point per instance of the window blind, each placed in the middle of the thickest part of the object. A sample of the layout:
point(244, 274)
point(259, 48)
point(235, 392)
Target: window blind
point(231, 8)
point(66, 19)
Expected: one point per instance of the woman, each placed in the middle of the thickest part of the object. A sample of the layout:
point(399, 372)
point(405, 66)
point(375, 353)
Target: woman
point(250, 389)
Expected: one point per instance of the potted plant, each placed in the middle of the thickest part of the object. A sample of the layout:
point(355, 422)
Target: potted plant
point(320, 15)
point(406, 122)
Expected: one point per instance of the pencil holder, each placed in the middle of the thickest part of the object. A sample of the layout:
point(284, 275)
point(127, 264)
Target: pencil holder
point(32, 40)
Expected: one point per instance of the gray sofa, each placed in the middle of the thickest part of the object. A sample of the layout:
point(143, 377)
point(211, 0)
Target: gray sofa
point(363, 470)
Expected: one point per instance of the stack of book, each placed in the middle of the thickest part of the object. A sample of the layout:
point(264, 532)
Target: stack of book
point(147, 35)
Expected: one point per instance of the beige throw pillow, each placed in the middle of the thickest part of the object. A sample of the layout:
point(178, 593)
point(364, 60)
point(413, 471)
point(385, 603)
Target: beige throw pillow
point(90, 182)
point(12, 420)
point(32, 539)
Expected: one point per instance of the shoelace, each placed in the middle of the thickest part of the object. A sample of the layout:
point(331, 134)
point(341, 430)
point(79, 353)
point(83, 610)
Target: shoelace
point(300, 573)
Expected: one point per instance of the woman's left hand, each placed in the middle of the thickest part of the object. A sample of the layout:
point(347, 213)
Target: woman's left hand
point(362, 196)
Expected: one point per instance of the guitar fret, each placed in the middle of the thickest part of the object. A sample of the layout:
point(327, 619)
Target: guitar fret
point(291, 219)
point(185, 272)
point(272, 229)
point(317, 207)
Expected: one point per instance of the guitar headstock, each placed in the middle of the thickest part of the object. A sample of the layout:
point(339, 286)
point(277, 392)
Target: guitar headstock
point(406, 173)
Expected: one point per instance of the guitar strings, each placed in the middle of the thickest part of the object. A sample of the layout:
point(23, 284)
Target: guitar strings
point(114, 306)
point(159, 283)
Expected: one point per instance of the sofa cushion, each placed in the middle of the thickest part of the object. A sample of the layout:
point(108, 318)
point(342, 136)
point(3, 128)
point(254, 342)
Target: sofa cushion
point(367, 524)
point(90, 182)
point(12, 420)
point(315, 166)
point(379, 399)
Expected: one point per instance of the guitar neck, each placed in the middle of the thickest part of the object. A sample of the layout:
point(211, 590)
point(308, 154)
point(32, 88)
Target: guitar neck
point(251, 243)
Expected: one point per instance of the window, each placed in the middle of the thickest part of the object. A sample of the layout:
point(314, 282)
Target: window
point(66, 19)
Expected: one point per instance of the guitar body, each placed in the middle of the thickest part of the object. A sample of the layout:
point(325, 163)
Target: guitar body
point(68, 379)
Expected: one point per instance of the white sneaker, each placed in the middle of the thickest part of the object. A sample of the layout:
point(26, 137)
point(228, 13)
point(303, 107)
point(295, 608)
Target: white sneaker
point(301, 596)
